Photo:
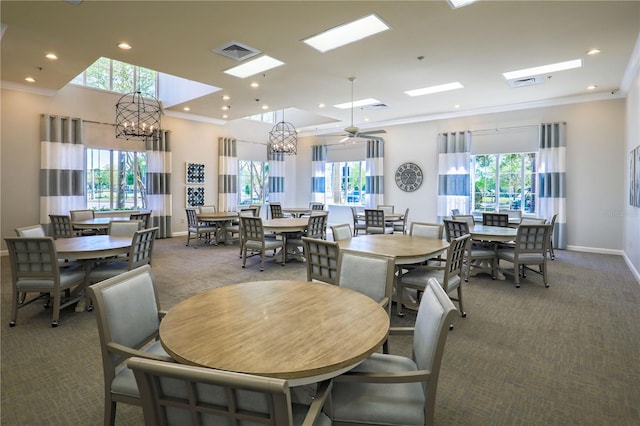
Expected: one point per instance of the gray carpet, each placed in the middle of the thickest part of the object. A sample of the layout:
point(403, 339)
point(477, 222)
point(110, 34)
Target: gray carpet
point(564, 355)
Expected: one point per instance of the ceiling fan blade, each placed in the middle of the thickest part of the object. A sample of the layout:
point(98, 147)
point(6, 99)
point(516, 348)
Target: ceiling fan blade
point(344, 139)
point(372, 132)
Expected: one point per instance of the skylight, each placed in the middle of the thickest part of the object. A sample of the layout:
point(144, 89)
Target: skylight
point(434, 89)
point(543, 69)
point(355, 104)
point(347, 33)
point(255, 66)
point(460, 3)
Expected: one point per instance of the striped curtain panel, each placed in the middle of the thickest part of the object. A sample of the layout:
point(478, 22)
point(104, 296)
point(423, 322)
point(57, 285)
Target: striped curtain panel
point(62, 174)
point(227, 174)
point(454, 180)
point(158, 151)
point(318, 161)
point(552, 192)
point(276, 177)
point(374, 164)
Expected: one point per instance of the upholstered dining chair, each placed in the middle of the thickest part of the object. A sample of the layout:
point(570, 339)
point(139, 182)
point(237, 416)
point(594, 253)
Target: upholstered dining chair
point(369, 274)
point(177, 394)
point(375, 223)
point(316, 228)
point(530, 248)
point(552, 222)
point(233, 229)
point(321, 260)
point(401, 226)
point(143, 217)
point(475, 252)
point(455, 211)
point(449, 276)
point(207, 209)
point(316, 206)
point(395, 390)
point(78, 215)
point(358, 224)
point(200, 230)
point(387, 208)
point(341, 232)
point(128, 315)
point(124, 228)
point(465, 218)
point(426, 229)
point(533, 221)
point(34, 269)
point(31, 231)
point(61, 226)
point(255, 242)
point(512, 213)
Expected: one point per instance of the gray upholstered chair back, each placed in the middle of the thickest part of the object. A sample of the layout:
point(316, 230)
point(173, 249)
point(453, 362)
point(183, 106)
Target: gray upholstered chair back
point(431, 328)
point(341, 232)
point(317, 227)
point(374, 221)
point(142, 247)
point(533, 221)
point(81, 214)
point(276, 211)
point(207, 209)
point(31, 231)
point(426, 229)
point(387, 208)
point(455, 228)
point(124, 228)
point(192, 219)
point(143, 217)
point(465, 218)
point(366, 273)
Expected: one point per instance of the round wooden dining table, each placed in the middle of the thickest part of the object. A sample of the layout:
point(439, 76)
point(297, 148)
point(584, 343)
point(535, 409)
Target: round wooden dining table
point(405, 249)
point(297, 330)
point(100, 224)
point(222, 219)
point(92, 247)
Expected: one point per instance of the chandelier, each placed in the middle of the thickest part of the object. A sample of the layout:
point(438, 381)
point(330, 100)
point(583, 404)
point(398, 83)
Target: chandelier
point(137, 117)
point(283, 138)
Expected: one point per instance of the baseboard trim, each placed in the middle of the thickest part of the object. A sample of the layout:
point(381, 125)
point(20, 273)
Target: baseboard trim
point(597, 250)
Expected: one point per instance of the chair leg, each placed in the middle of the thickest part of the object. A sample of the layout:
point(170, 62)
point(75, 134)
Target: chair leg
point(109, 413)
point(400, 296)
point(516, 274)
point(262, 260)
point(543, 266)
point(188, 238)
point(56, 309)
point(14, 307)
point(463, 314)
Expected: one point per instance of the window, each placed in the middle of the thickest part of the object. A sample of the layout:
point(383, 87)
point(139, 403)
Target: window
point(265, 117)
point(504, 181)
point(116, 76)
point(253, 182)
point(116, 179)
point(345, 182)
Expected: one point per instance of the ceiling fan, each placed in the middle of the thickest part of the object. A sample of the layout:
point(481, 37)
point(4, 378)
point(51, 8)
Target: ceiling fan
point(353, 132)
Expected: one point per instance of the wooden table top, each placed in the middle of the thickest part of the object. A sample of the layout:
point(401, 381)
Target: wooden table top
point(296, 330)
point(101, 222)
point(92, 247)
point(286, 224)
point(493, 233)
point(217, 216)
point(406, 249)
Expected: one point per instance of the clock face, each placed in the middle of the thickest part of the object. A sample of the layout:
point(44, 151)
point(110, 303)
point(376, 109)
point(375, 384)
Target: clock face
point(409, 177)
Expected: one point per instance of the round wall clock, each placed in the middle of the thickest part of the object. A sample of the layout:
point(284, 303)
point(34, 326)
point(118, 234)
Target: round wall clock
point(409, 177)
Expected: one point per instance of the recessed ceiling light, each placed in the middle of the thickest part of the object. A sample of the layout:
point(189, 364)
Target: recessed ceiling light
point(51, 56)
point(187, 109)
point(225, 116)
point(347, 33)
point(593, 52)
point(592, 87)
point(321, 105)
point(30, 79)
point(124, 46)
point(226, 107)
point(254, 66)
point(255, 84)
point(543, 69)
point(361, 102)
point(456, 106)
point(265, 106)
point(434, 89)
point(226, 97)
point(459, 3)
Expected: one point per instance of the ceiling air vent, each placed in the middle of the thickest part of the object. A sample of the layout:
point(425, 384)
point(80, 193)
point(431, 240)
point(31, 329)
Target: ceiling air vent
point(528, 81)
point(236, 51)
point(377, 106)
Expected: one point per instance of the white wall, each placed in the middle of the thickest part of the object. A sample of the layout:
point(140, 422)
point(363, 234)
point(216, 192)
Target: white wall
point(596, 154)
point(595, 176)
point(630, 214)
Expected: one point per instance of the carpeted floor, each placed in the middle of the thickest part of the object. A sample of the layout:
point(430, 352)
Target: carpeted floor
point(564, 355)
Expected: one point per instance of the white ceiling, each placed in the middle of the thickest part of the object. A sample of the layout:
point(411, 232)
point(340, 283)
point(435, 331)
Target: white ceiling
point(473, 45)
